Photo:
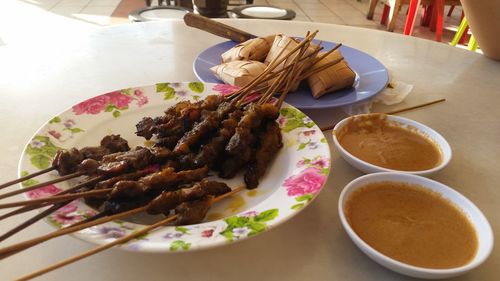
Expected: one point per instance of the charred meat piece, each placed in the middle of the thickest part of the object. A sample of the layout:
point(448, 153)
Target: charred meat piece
point(210, 122)
point(211, 152)
point(166, 179)
point(168, 200)
point(177, 119)
point(122, 162)
point(109, 144)
point(167, 142)
point(114, 143)
point(270, 142)
point(193, 212)
point(254, 114)
point(66, 161)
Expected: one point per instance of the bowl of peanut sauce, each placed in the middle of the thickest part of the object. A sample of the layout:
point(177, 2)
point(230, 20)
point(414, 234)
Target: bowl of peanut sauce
point(415, 226)
point(378, 142)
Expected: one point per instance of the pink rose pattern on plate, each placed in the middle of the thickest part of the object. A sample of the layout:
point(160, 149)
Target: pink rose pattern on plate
point(111, 102)
point(308, 179)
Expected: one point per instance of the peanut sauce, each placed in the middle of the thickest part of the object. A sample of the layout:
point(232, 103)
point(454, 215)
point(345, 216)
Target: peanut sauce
point(412, 224)
point(374, 139)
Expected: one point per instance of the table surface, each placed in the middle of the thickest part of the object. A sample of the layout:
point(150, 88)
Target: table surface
point(38, 82)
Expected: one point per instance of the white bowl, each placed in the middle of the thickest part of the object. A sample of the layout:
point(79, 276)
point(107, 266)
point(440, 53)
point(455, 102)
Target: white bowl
point(476, 217)
point(404, 122)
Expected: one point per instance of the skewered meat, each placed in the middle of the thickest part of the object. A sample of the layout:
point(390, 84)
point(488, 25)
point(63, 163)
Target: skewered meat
point(67, 161)
point(210, 122)
point(241, 141)
point(121, 162)
point(168, 200)
point(270, 143)
point(166, 179)
point(193, 212)
point(177, 119)
point(211, 152)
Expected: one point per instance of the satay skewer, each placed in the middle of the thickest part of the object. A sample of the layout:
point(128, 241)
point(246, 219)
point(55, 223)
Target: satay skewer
point(27, 177)
point(56, 198)
point(122, 240)
point(63, 178)
point(42, 214)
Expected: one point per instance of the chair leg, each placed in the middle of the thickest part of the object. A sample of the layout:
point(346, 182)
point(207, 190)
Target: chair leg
point(410, 18)
point(385, 14)
point(371, 9)
point(461, 29)
point(439, 20)
point(464, 36)
point(393, 14)
point(472, 46)
point(450, 11)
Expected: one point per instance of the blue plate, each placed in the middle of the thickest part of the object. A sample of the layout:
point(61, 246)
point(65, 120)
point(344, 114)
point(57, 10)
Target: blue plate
point(371, 78)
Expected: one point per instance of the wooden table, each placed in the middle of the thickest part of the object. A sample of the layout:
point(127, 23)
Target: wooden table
point(37, 83)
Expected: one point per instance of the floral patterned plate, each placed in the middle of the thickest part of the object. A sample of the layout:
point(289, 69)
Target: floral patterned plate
point(296, 176)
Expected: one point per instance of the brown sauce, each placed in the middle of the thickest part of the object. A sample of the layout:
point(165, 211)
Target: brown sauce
point(412, 225)
point(374, 139)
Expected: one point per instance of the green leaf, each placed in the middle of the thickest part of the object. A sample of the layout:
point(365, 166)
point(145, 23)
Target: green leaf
point(266, 215)
point(161, 87)
point(169, 93)
point(287, 112)
point(123, 108)
point(178, 245)
point(116, 113)
point(323, 140)
point(127, 91)
point(55, 120)
point(234, 222)
point(307, 160)
point(325, 171)
point(76, 130)
point(256, 226)
point(309, 124)
point(40, 161)
point(305, 197)
point(182, 229)
point(29, 182)
point(292, 124)
point(297, 206)
point(302, 146)
point(196, 87)
point(195, 97)
point(110, 107)
point(228, 234)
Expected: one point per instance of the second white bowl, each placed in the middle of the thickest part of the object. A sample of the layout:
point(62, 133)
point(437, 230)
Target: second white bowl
point(366, 167)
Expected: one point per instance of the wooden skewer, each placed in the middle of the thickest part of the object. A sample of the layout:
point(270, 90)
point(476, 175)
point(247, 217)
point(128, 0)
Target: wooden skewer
point(329, 127)
point(45, 213)
point(29, 208)
point(118, 241)
point(27, 177)
point(56, 198)
point(16, 248)
point(63, 178)
point(415, 106)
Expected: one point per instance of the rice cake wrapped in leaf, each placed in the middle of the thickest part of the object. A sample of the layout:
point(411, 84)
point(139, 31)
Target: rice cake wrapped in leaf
point(254, 49)
point(238, 73)
point(336, 77)
point(288, 43)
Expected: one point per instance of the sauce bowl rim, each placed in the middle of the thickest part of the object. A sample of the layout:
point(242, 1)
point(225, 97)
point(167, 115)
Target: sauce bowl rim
point(439, 141)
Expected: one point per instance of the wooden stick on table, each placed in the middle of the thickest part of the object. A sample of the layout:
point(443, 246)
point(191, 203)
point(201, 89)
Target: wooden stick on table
point(329, 127)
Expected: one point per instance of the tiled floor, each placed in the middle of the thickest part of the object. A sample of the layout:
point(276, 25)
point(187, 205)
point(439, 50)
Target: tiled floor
point(107, 12)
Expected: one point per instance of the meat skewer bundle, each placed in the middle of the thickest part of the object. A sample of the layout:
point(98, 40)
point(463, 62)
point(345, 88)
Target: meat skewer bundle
point(226, 134)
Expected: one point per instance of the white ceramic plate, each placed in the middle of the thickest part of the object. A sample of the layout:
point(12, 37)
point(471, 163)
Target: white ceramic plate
point(296, 176)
